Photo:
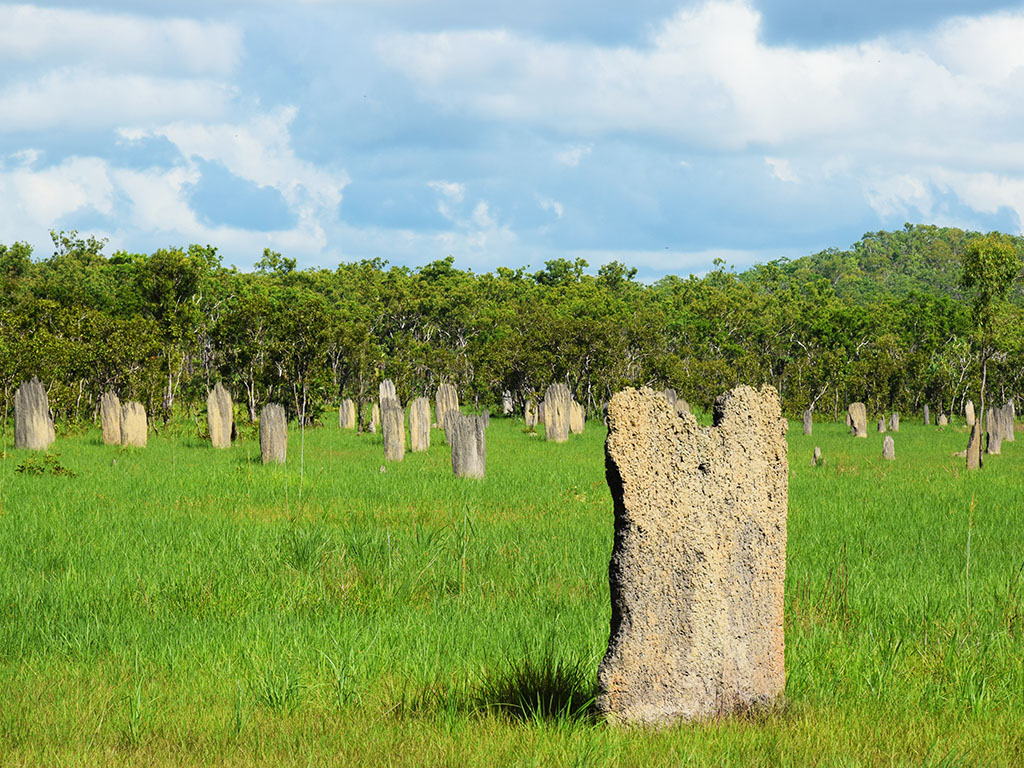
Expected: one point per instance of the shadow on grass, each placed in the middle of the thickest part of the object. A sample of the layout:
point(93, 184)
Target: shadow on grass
point(544, 688)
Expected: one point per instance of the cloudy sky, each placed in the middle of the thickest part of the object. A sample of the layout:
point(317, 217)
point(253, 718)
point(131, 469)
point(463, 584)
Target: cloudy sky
point(662, 133)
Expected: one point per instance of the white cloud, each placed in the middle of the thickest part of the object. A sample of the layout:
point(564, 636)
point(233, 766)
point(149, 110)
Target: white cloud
point(573, 155)
point(259, 150)
point(780, 169)
point(452, 190)
point(76, 70)
point(986, 192)
point(79, 99)
point(469, 233)
point(451, 194)
point(36, 198)
point(159, 203)
point(27, 157)
point(705, 78)
point(895, 196)
point(158, 198)
point(884, 115)
point(156, 201)
point(986, 48)
point(482, 216)
point(30, 34)
point(917, 194)
point(554, 206)
point(143, 78)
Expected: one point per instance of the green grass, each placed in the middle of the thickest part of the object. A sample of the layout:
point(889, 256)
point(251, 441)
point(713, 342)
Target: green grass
point(190, 606)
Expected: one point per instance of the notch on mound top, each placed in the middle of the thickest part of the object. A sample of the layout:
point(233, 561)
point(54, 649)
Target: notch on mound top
point(699, 558)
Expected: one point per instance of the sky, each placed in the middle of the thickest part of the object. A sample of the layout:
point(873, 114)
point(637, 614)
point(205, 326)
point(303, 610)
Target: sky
point(659, 133)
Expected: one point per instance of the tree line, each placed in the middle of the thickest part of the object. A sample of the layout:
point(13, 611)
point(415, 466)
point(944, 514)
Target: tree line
point(888, 322)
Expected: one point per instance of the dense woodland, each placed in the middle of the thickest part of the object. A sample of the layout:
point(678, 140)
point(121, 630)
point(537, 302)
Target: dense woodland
point(884, 322)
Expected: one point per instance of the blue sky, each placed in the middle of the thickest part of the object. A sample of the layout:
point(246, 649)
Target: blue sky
point(663, 134)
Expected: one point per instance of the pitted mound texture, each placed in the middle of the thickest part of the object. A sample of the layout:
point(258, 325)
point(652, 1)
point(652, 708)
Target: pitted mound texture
point(220, 416)
point(386, 389)
point(889, 448)
point(393, 428)
point(996, 428)
point(419, 424)
point(530, 413)
point(557, 402)
point(577, 418)
point(447, 399)
point(469, 444)
point(974, 456)
point(699, 558)
point(858, 419)
point(273, 434)
point(347, 414)
point(110, 418)
point(133, 424)
point(33, 426)
point(808, 421)
point(969, 413)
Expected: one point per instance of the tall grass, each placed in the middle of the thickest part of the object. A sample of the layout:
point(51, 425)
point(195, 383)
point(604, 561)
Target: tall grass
point(183, 606)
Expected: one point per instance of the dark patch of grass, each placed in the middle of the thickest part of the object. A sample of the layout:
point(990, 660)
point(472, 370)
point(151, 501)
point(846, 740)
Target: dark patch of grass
point(47, 464)
point(305, 547)
point(541, 687)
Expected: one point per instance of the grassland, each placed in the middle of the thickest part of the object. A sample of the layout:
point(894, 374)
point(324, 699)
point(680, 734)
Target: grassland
point(182, 606)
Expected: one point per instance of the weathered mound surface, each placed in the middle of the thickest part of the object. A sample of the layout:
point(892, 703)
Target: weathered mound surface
point(33, 424)
point(110, 418)
point(699, 557)
point(220, 416)
point(273, 434)
point(858, 419)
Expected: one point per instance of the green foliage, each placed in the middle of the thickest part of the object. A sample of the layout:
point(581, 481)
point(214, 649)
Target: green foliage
point(273, 263)
point(881, 322)
point(46, 464)
point(990, 265)
point(917, 259)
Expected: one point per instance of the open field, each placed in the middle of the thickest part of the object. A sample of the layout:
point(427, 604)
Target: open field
point(189, 606)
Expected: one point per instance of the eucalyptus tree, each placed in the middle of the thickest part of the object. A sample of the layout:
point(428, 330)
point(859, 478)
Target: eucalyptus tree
point(169, 283)
point(241, 336)
point(991, 264)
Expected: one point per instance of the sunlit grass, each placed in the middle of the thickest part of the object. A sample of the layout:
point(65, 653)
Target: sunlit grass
point(181, 605)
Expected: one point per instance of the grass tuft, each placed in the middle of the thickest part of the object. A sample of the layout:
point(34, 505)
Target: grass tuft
point(278, 687)
point(306, 547)
point(541, 688)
